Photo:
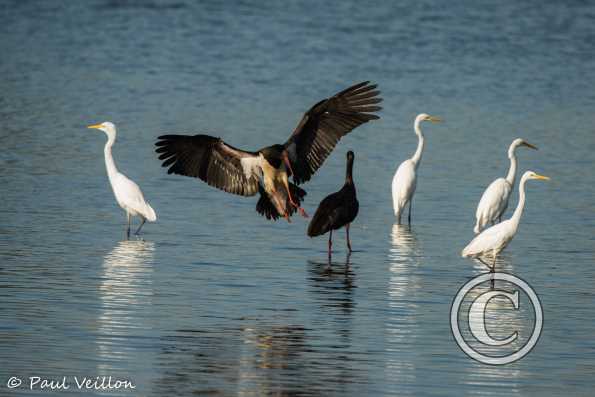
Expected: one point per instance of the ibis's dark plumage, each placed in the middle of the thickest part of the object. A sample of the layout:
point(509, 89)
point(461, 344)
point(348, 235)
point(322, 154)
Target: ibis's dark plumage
point(267, 170)
point(337, 210)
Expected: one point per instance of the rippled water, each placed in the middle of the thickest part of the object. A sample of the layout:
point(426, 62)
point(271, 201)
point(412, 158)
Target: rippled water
point(216, 300)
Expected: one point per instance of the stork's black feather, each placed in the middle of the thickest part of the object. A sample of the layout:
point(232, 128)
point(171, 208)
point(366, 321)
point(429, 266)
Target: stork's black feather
point(326, 123)
point(265, 207)
point(210, 159)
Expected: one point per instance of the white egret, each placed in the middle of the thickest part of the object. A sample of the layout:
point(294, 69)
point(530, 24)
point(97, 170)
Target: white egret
point(494, 200)
point(128, 194)
point(405, 179)
point(495, 238)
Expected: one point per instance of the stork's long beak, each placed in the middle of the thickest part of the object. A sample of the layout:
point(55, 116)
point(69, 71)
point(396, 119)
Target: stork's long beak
point(435, 119)
point(542, 177)
point(529, 145)
point(96, 126)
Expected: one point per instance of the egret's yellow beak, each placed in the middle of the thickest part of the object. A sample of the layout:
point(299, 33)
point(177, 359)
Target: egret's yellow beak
point(435, 119)
point(529, 145)
point(96, 126)
point(541, 177)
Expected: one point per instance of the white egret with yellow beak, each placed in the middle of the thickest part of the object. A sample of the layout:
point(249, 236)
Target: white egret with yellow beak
point(405, 179)
point(128, 194)
point(494, 200)
point(494, 239)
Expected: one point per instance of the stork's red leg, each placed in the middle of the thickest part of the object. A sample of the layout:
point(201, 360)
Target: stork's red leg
point(291, 201)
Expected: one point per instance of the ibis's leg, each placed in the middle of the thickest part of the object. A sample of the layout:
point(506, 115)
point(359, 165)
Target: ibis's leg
point(348, 242)
point(409, 216)
point(128, 228)
point(330, 244)
point(143, 220)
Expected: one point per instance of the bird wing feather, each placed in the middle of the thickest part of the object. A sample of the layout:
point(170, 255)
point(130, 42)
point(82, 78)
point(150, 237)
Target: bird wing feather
point(494, 201)
point(493, 238)
point(211, 160)
point(326, 123)
point(129, 195)
point(404, 184)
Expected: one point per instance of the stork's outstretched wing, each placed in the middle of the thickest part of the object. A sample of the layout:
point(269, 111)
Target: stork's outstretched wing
point(212, 160)
point(325, 123)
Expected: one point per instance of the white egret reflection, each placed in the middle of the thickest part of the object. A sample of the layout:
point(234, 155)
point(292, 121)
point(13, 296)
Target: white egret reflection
point(404, 285)
point(125, 293)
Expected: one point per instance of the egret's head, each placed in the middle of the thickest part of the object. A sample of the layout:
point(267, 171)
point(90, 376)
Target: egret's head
point(107, 127)
point(426, 117)
point(521, 142)
point(534, 175)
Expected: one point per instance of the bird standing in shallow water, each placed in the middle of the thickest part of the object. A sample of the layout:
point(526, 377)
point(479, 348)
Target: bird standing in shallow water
point(267, 170)
point(405, 179)
point(495, 238)
point(337, 210)
point(128, 194)
point(494, 200)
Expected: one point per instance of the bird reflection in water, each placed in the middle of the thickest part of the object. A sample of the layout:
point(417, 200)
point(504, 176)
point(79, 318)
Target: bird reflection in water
point(503, 264)
point(334, 282)
point(405, 256)
point(125, 291)
point(283, 361)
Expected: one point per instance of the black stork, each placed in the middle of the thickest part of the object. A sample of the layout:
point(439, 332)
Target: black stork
point(337, 210)
point(267, 170)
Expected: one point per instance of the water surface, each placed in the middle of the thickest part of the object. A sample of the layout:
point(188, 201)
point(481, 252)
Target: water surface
point(215, 299)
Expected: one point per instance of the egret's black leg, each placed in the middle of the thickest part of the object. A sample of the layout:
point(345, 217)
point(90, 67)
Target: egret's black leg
point(348, 242)
point(143, 220)
point(493, 271)
point(330, 244)
point(409, 216)
point(128, 228)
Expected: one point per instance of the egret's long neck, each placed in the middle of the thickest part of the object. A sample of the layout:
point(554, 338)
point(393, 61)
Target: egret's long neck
point(512, 170)
point(110, 165)
point(516, 216)
point(420, 144)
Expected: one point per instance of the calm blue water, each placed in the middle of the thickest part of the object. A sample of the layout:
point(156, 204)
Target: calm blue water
point(215, 299)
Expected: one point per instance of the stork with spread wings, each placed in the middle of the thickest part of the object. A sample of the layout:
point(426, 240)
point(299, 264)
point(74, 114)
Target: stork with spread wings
point(267, 170)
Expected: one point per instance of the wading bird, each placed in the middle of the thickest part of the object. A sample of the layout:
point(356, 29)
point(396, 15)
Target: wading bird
point(494, 200)
point(495, 238)
point(128, 194)
point(405, 179)
point(336, 210)
point(267, 170)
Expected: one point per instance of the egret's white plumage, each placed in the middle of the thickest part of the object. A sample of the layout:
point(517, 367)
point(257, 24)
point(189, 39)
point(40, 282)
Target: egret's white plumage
point(405, 179)
point(494, 200)
point(128, 195)
point(494, 239)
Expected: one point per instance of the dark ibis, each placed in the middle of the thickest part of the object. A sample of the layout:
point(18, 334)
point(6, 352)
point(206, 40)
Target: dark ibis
point(337, 210)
